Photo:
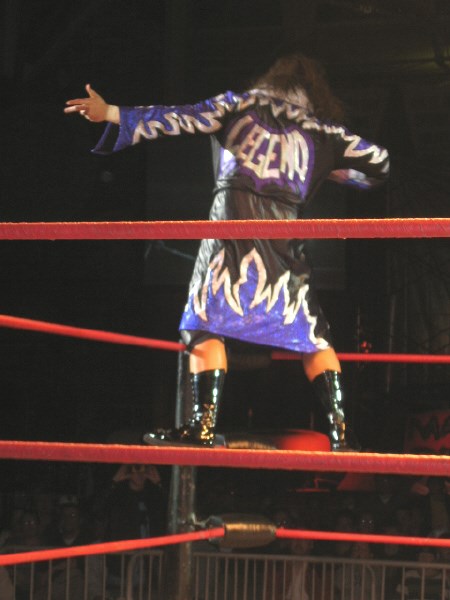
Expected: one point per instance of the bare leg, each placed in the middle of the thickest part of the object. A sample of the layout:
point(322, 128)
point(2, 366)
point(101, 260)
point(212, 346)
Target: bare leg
point(315, 363)
point(208, 356)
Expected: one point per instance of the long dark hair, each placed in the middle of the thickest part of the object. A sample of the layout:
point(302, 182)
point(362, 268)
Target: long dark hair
point(295, 71)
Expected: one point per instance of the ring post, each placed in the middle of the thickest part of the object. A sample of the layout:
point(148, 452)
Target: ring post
point(179, 559)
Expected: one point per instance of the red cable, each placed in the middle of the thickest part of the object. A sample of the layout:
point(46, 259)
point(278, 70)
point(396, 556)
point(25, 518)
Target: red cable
point(108, 547)
point(300, 460)
point(362, 357)
point(88, 334)
point(120, 338)
point(257, 229)
point(218, 532)
point(294, 534)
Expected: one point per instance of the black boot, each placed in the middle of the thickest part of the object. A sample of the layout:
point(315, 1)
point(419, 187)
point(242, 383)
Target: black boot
point(327, 389)
point(200, 429)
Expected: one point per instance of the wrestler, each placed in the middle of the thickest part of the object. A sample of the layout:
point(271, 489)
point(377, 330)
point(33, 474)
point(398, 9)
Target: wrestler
point(273, 146)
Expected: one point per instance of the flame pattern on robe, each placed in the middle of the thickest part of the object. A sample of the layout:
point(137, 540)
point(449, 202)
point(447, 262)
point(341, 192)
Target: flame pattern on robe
point(242, 298)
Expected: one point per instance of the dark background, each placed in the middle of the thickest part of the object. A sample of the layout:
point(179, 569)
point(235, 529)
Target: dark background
point(388, 60)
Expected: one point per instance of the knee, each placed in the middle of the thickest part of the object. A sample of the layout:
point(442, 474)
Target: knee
point(208, 355)
point(315, 363)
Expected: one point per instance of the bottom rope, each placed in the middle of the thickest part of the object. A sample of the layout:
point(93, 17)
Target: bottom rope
point(233, 531)
point(295, 534)
point(109, 547)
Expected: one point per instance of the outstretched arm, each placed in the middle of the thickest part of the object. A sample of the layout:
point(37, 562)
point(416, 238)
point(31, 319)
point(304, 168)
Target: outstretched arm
point(150, 122)
point(94, 108)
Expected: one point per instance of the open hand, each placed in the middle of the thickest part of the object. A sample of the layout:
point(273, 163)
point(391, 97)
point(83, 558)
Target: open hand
point(93, 108)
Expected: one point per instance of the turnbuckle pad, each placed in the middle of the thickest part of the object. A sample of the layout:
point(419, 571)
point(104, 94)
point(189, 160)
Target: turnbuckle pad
point(242, 530)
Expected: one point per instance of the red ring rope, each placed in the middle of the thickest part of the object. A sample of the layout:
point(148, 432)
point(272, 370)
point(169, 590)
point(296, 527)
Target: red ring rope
point(382, 357)
point(294, 534)
point(87, 334)
point(283, 229)
point(209, 534)
point(300, 460)
point(108, 547)
point(120, 338)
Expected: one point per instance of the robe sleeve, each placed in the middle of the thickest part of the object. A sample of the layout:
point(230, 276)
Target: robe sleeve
point(151, 122)
point(358, 162)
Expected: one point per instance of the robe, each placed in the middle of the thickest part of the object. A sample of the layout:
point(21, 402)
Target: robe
point(270, 157)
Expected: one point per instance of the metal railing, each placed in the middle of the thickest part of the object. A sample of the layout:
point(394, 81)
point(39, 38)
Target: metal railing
point(226, 576)
point(269, 577)
point(221, 576)
point(98, 577)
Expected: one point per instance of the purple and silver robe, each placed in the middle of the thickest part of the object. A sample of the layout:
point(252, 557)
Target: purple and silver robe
point(270, 157)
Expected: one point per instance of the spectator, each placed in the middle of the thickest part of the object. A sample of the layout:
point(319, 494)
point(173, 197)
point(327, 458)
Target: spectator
point(443, 556)
point(366, 525)
point(386, 498)
point(71, 529)
point(392, 552)
point(409, 520)
point(68, 575)
point(354, 581)
point(26, 535)
point(436, 512)
point(19, 503)
point(283, 518)
point(136, 508)
point(298, 578)
point(403, 519)
point(26, 530)
point(345, 522)
point(443, 553)
point(425, 581)
point(44, 503)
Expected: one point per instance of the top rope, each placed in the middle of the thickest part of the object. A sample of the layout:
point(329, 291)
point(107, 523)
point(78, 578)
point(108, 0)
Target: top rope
point(255, 229)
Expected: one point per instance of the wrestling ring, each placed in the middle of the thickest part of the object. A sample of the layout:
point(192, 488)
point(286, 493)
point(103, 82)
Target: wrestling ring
point(229, 531)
